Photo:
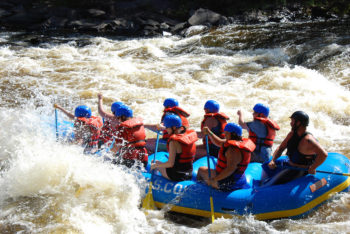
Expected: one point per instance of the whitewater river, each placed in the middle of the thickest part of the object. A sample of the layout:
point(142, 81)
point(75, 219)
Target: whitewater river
point(299, 66)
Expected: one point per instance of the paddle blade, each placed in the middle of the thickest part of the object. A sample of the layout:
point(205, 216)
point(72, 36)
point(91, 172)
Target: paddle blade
point(148, 202)
point(212, 209)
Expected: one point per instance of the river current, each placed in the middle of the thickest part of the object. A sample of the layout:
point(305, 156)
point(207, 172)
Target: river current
point(288, 66)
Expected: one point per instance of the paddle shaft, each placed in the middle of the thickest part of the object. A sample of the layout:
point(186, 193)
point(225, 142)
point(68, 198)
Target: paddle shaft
point(148, 202)
point(56, 124)
point(209, 176)
point(319, 171)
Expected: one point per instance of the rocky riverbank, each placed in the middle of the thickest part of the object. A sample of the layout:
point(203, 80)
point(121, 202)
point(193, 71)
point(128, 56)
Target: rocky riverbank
point(146, 17)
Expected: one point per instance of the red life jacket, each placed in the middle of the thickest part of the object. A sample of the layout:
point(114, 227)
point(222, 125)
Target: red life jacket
point(95, 124)
point(187, 141)
point(178, 111)
point(132, 134)
point(107, 132)
point(271, 127)
point(222, 118)
point(246, 147)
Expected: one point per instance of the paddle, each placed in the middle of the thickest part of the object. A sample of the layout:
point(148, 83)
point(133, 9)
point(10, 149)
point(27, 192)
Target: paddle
point(148, 202)
point(318, 171)
point(211, 197)
point(56, 124)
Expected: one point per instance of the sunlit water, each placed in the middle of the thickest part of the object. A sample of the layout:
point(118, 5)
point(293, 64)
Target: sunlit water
point(300, 66)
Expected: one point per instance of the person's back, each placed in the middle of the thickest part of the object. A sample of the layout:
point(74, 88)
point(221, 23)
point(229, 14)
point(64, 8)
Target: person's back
point(182, 149)
point(110, 122)
point(130, 139)
point(171, 107)
point(87, 128)
point(262, 131)
point(185, 150)
point(216, 122)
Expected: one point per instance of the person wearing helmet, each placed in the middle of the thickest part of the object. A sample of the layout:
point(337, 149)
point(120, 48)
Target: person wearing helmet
point(303, 151)
point(130, 138)
point(234, 157)
point(110, 121)
point(87, 128)
point(171, 106)
point(182, 149)
point(262, 131)
point(216, 122)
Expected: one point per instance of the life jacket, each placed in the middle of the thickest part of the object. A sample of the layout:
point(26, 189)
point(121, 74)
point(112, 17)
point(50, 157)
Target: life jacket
point(131, 134)
point(246, 147)
point(94, 123)
point(271, 127)
point(107, 132)
point(187, 141)
point(178, 111)
point(294, 154)
point(222, 118)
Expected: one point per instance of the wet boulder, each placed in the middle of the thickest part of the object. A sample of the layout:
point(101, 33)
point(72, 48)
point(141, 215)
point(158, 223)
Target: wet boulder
point(204, 17)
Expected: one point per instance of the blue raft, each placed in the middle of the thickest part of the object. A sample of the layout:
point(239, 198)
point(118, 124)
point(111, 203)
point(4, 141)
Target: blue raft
point(295, 199)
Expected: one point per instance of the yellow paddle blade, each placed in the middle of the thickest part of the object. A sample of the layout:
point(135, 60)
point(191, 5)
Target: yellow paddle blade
point(148, 202)
point(81, 189)
point(212, 209)
point(77, 193)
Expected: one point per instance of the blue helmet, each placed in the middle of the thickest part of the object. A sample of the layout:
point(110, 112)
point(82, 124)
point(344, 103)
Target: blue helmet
point(124, 111)
point(212, 106)
point(262, 109)
point(235, 128)
point(115, 106)
point(82, 111)
point(170, 102)
point(172, 121)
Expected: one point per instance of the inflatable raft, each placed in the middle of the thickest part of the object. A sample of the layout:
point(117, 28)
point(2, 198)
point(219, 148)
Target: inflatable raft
point(295, 199)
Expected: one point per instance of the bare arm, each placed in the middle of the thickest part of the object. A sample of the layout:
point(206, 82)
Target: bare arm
point(101, 111)
point(173, 145)
point(278, 152)
point(155, 128)
point(214, 138)
point(152, 127)
point(241, 120)
point(70, 115)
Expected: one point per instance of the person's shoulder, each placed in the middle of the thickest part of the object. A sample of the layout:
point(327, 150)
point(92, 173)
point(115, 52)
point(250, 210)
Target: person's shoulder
point(310, 138)
point(249, 123)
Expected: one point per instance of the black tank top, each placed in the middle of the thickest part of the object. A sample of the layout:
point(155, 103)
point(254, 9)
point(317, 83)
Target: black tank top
point(293, 153)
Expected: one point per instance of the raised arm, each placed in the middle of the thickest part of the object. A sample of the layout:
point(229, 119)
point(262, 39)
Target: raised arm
point(101, 111)
point(241, 120)
point(70, 115)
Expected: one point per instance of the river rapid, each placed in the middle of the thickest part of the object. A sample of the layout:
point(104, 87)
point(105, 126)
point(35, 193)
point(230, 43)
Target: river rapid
point(289, 66)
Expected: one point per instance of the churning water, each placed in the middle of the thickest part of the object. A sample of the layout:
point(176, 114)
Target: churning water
point(290, 66)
